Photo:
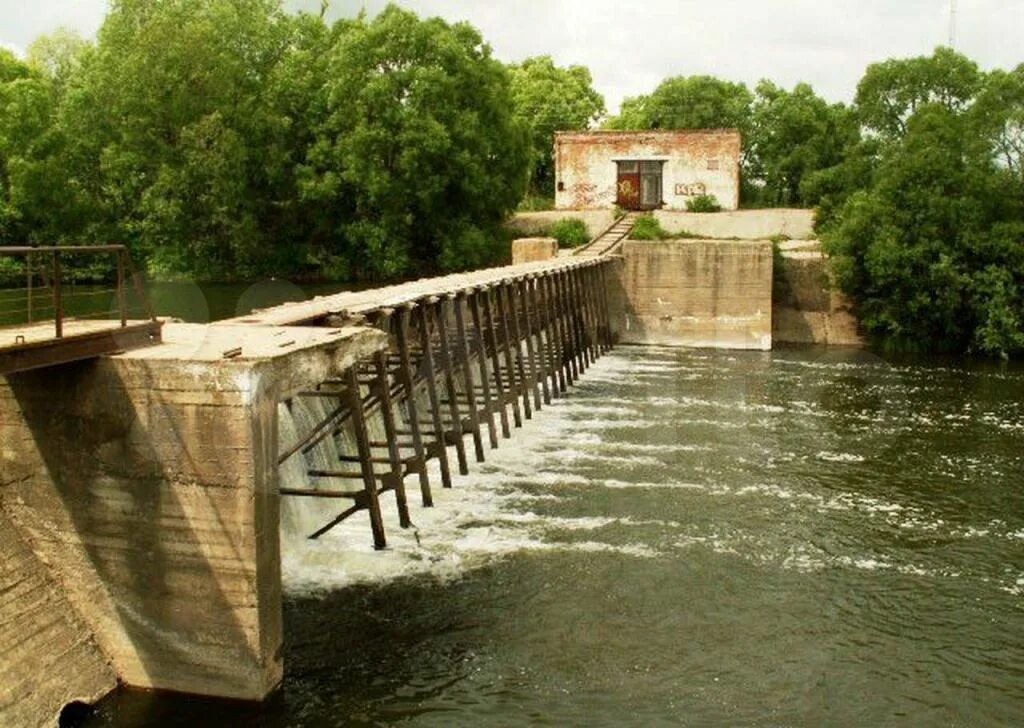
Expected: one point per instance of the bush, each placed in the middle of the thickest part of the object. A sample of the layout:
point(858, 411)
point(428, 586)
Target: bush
point(703, 203)
point(648, 228)
point(570, 232)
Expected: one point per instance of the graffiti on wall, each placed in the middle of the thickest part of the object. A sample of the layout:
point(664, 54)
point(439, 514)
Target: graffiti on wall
point(691, 190)
point(586, 195)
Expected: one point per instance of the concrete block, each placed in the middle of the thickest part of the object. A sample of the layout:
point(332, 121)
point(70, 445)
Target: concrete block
point(529, 250)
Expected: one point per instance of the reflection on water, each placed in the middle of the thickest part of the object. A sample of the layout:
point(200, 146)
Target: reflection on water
point(802, 537)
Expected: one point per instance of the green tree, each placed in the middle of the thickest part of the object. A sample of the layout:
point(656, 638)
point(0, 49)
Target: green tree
point(933, 250)
point(419, 154)
point(890, 92)
point(549, 99)
point(26, 109)
point(164, 133)
point(794, 134)
point(688, 102)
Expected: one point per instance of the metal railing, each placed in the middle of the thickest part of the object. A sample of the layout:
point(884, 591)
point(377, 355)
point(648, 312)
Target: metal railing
point(48, 295)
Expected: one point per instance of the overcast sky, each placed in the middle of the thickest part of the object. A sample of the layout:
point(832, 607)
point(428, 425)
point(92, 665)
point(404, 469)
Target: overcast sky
point(630, 46)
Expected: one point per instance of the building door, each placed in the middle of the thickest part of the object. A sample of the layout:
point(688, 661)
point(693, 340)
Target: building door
point(650, 185)
point(627, 194)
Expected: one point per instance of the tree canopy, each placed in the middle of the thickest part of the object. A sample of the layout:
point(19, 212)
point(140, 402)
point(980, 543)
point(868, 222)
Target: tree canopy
point(549, 99)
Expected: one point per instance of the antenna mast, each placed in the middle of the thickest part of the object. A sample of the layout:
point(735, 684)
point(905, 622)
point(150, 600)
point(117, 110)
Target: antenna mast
point(952, 23)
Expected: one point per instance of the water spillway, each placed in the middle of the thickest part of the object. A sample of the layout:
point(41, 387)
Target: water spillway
point(797, 537)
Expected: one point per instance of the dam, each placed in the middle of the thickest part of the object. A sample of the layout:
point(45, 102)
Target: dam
point(143, 493)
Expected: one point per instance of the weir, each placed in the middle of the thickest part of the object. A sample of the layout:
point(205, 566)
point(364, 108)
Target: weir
point(142, 490)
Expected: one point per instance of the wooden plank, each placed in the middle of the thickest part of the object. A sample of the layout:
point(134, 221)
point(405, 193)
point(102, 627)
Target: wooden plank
point(394, 456)
point(506, 431)
point(355, 402)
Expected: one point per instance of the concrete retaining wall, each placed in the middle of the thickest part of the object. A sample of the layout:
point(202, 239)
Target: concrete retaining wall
point(741, 224)
point(49, 656)
point(806, 307)
point(694, 293)
point(538, 223)
point(148, 483)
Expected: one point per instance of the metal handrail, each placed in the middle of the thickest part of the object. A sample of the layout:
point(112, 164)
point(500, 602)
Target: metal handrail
point(125, 269)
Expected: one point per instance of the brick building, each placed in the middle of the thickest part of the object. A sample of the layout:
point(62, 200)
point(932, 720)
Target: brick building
point(646, 170)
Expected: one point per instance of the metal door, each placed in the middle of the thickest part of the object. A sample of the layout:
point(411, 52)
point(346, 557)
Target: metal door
point(650, 185)
point(628, 186)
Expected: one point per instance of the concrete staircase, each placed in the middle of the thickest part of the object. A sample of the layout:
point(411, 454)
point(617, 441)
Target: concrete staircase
point(609, 240)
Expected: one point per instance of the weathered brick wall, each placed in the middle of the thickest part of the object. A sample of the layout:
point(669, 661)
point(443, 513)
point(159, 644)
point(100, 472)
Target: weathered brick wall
point(699, 293)
point(696, 162)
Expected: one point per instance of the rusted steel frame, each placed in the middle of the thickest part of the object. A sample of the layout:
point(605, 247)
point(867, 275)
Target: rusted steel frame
point(601, 299)
point(514, 387)
point(28, 283)
point(575, 309)
point(122, 305)
point(435, 404)
point(462, 338)
point(448, 370)
point(568, 327)
point(580, 308)
point(545, 347)
point(355, 403)
point(383, 386)
point(22, 249)
point(58, 301)
point(595, 316)
point(317, 433)
point(499, 384)
point(513, 344)
point(605, 306)
point(588, 306)
point(408, 381)
point(524, 284)
point(559, 361)
point(473, 301)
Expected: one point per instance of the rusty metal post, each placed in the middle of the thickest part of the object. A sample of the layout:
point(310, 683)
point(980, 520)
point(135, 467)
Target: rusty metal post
point(121, 303)
point(568, 327)
point(447, 370)
point(524, 285)
point(606, 306)
point(408, 381)
point(383, 384)
point(580, 307)
point(559, 363)
point(588, 305)
point(355, 402)
point(462, 348)
point(513, 339)
point(58, 301)
point(435, 400)
point(503, 399)
point(28, 285)
point(481, 357)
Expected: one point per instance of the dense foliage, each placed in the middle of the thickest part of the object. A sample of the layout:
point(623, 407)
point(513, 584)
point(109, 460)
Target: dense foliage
point(226, 139)
point(230, 139)
point(929, 235)
point(549, 99)
point(570, 232)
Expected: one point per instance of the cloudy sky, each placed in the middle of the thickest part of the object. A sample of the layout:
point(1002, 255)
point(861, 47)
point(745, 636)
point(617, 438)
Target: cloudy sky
point(631, 46)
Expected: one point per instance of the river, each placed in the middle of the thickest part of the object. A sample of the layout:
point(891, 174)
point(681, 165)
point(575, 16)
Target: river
point(803, 537)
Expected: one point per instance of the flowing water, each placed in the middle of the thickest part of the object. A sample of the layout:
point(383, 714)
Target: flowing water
point(805, 537)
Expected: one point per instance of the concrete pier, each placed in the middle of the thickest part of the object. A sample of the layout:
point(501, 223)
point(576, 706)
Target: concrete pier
point(139, 514)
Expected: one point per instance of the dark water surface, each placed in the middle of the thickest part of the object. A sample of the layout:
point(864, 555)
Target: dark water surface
point(805, 537)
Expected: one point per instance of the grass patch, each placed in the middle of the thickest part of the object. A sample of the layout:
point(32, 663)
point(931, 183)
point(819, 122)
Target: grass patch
point(648, 228)
point(571, 232)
